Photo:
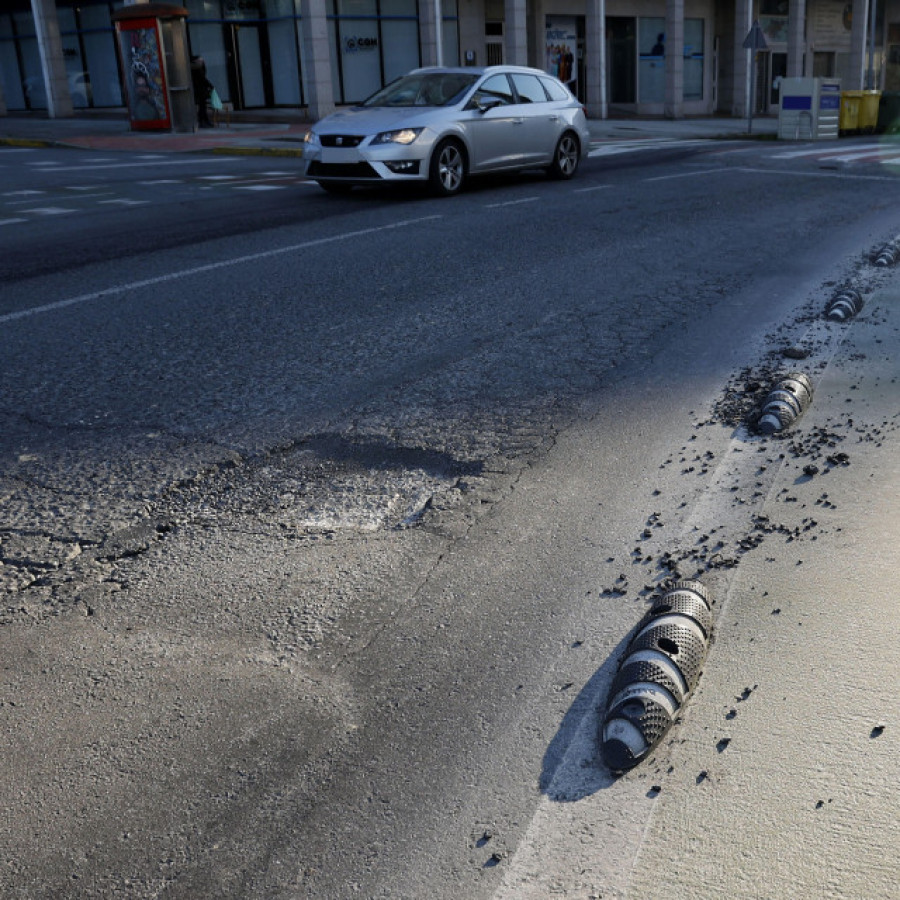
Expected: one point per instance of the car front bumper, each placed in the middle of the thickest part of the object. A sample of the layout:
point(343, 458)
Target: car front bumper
point(363, 165)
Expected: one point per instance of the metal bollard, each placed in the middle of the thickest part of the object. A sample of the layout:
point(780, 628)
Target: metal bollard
point(845, 305)
point(786, 402)
point(888, 255)
point(660, 669)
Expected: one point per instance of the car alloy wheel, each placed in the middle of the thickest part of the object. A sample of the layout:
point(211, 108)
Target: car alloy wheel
point(448, 168)
point(565, 159)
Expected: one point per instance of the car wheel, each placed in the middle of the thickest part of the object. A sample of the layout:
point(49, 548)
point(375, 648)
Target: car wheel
point(448, 168)
point(565, 157)
point(335, 187)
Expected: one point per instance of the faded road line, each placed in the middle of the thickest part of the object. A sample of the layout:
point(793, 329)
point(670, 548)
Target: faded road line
point(210, 267)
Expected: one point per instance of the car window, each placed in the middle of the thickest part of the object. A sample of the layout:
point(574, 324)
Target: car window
point(554, 89)
point(528, 88)
point(495, 86)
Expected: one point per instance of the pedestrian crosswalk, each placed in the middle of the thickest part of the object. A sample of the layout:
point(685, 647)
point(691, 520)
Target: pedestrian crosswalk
point(622, 147)
point(885, 151)
point(28, 205)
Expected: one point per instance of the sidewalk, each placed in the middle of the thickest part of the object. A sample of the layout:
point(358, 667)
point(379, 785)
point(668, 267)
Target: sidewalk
point(280, 132)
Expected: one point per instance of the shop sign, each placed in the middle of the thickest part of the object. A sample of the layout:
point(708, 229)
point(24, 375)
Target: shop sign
point(355, 44)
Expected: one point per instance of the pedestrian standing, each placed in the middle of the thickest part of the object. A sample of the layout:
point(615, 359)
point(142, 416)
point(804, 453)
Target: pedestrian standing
point(202, 87)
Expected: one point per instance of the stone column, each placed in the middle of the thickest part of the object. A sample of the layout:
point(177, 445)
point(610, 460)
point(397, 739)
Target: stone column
point(858, 35)
point(595, 59)
point(53, 63)
point(430, 33)
point(316, 55)
point(515, 32)
point(674, 99)
point(796, 49)
point(743, 20)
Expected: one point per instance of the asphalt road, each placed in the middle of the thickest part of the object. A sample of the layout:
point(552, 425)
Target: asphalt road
point(326, 519)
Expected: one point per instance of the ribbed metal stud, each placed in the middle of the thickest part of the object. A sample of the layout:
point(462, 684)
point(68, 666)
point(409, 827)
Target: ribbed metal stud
point(786, 402)
point(659, 670)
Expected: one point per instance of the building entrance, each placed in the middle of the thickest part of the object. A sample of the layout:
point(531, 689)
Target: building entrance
point(621, 56)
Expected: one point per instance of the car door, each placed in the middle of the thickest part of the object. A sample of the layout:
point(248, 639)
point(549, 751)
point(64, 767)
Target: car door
point(494, 135)
point(541, 124)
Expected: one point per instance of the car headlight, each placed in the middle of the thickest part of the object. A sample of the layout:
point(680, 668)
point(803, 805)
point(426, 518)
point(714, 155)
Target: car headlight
point(310, 138)
point(401, 136)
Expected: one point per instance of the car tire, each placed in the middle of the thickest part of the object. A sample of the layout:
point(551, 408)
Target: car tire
point(447, 170)
point(566, 157)
point(335, 187)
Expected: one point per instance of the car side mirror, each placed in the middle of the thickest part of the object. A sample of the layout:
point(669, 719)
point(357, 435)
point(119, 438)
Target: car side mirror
point(488, 103)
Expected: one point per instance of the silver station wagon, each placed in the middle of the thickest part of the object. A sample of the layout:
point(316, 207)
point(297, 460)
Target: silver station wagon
point(442, 125)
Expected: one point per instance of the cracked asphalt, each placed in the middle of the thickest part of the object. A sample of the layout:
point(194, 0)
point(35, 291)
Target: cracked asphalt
point(315, 571)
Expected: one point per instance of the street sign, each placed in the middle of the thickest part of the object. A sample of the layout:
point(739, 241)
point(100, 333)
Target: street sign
point(755, 39)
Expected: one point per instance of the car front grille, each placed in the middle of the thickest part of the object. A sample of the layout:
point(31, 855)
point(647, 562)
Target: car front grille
point(341, 170)
point(341, 140)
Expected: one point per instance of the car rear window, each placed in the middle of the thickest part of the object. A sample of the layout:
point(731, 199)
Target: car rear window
point(554, 89)
point(528, 88)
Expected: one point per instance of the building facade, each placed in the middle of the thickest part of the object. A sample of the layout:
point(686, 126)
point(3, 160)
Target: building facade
point(669, 58)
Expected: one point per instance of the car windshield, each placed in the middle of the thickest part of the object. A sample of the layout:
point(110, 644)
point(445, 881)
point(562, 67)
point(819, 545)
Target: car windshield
point(424, 89)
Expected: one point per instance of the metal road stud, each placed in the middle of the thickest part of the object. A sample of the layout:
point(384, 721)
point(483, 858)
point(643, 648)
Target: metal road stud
point(658, 672)
point(888, 255)
point(845, 305)
point(786, 402)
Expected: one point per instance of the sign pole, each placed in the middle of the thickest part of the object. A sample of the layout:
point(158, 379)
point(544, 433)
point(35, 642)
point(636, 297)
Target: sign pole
point(754, 42)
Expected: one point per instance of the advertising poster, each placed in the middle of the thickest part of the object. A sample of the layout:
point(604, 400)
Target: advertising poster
point(562, 51)
point(141, 60)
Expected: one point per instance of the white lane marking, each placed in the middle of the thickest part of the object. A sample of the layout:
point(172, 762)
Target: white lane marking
point(46, 163)
point(259, 187)
point(210, 267)
point(48, 210)
point(11, 221)
point(277, 174)
point(28, 193)
point(687, 174)
point(124, 201)
point(817, 174)
point(217, 177)
point(587, 190)
point(510, 202)
point(161, 181)
point(205, 160)
point(796, 154)
point(872, 156)
point(643, 144)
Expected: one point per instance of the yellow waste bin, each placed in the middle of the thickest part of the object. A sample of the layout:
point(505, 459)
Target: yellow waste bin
point(849, 120)
point(868, 111)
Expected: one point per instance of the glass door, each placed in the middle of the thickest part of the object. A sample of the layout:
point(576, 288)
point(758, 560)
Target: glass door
point(249, 64)
point(621, 56)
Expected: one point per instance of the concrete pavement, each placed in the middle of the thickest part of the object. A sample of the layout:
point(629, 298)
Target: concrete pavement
point(280, 132)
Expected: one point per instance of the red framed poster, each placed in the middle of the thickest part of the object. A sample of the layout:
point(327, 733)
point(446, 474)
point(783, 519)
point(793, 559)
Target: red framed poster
point(145, 74)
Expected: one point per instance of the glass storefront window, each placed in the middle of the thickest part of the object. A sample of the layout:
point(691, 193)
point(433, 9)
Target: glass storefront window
point(401, 47)
point(358, 46)
point(13, 92)
point(693, 59)
point(203, 9)
point(284, 62)
point(651, 53)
